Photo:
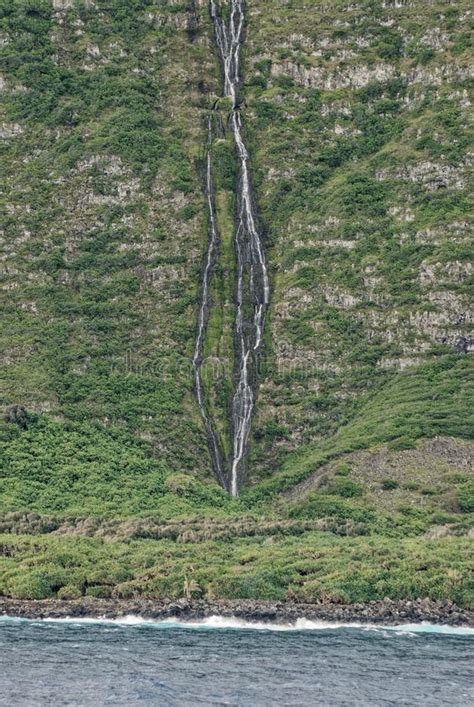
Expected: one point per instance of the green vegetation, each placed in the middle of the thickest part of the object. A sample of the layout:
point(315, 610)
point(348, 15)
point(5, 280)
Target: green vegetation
point(358, 127)
point(54, 467)
point(98, 172)
point(311, 567)
point(361, 156)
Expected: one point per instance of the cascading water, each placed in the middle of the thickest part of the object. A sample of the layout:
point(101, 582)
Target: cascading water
point(248, 334)
point(252, 287)
point(213, 244)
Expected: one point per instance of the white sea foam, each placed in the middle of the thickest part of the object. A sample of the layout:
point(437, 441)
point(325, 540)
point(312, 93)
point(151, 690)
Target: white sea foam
point(224, 622)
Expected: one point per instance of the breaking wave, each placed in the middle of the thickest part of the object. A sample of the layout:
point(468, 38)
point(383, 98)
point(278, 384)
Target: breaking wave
point(233, 623)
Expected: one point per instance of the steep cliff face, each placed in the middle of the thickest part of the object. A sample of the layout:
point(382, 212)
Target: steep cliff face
point(359, 119)
point(105, 215)
point(355, 120)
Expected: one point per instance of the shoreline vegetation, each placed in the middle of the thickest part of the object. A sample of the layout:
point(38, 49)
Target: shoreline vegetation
point(386, 611)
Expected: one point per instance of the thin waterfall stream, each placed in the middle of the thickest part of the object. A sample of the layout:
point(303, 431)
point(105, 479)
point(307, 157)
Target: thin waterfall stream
point(252, 292)
point(211, 255)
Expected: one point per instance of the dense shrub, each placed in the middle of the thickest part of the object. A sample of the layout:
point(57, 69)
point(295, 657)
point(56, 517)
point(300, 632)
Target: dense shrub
point(465, 497)
point(389, 484)
point(341, 486)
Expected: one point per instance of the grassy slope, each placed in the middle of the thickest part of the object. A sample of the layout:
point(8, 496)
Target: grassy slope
point(360, 130)
point(369, 264)
point(101, 171)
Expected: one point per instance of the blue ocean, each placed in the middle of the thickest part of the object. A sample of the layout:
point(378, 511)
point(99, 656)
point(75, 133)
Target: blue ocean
point(225, 662)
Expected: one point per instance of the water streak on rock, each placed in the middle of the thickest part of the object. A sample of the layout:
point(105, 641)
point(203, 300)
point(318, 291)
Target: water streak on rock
point(213, 244)
point(252, 292)
point(253, 289)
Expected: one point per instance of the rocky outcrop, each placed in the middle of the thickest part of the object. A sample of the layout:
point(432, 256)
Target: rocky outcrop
point(412, 470)
point(387, 611)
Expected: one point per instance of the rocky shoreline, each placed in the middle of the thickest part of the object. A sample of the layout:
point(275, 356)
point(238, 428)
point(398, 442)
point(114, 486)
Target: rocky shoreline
point(386, 612)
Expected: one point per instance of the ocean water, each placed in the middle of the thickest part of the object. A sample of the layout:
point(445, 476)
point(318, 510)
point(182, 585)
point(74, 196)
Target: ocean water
point(227, 662)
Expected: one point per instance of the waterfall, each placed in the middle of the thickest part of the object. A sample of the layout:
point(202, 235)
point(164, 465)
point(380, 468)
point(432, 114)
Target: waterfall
point(252, 291)
point(213, 244)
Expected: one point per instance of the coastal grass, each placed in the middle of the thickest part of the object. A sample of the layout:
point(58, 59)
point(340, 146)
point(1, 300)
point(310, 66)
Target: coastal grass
point(312, 567)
